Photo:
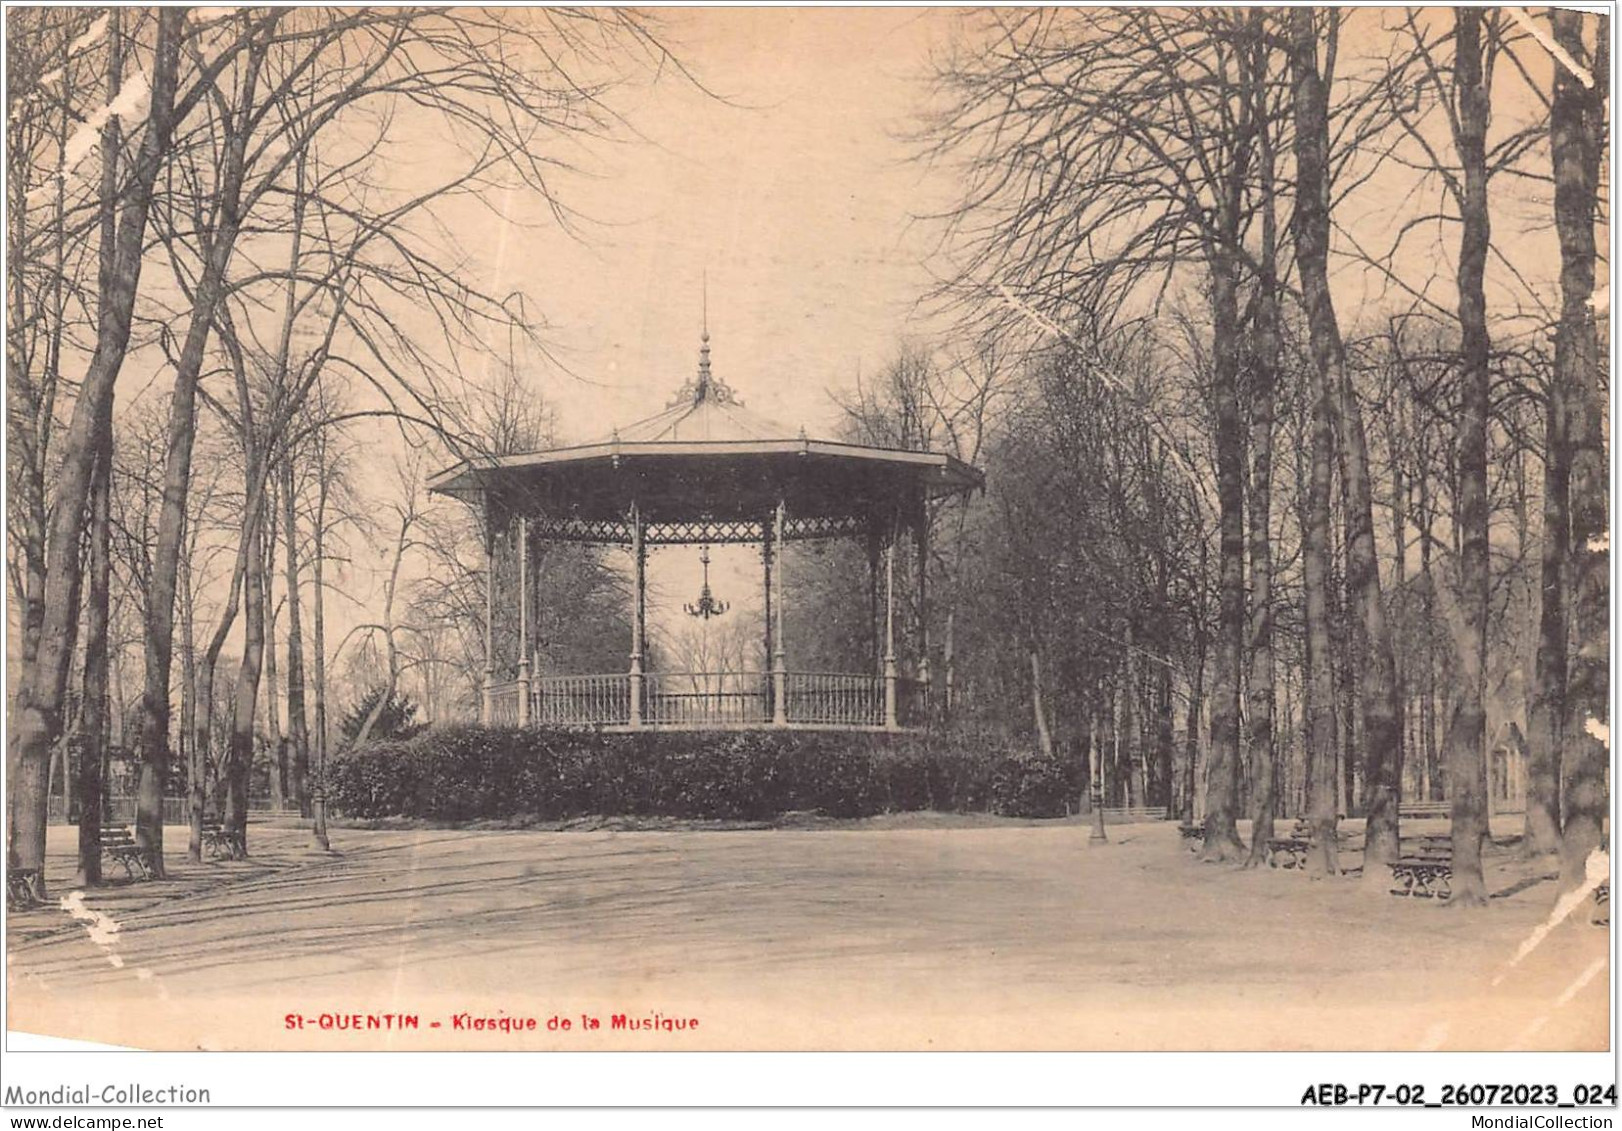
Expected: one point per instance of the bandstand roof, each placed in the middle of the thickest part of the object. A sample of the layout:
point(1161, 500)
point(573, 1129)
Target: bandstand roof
point(706, 457)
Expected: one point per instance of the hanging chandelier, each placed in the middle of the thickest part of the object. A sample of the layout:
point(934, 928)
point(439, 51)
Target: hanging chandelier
point(707, 605)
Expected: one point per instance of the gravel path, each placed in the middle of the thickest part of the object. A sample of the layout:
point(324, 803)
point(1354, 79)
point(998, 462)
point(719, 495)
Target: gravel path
point(922, 933)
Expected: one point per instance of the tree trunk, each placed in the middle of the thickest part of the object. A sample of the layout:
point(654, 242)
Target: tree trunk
point(1191, 732)
point(1044, 738)
point(188, 655)
point(1084, 746)
point(1131, 730)
point(1165, 740)
point(1577, 126)
point(1467, 734)
point(202, 745)
point(57, 774)
point(1430, 748)
point(1264, 364)
point(1318, 691)
point(276, 745)
point(318, 789)
point(202, 740)
point(297, 729)
point(391, 651)
point(1222, 770)
point(1109, 763)
point(1378, 696)
point(1263, 758)
point(42, 688)
point(1546, 705)
point(1381, 715)
point(1311, 225)
point(238, 768)
point(217, 248)
point(159, 627)
point(1095, 778)
point(94, 706)
point(1397, 434)
point(1348, 630)
point(31, 499)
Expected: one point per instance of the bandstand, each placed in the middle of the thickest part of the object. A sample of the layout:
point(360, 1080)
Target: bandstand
point(705, 471)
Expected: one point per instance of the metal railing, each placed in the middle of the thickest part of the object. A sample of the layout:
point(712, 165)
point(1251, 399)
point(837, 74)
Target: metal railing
point(706, 698)
point(835, 699)
point(504, 705)
point(581, 700)
point(118, 809)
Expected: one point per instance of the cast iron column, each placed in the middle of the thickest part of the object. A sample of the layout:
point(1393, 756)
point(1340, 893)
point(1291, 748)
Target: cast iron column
point(639, 556)
point(766, 561)
point(1095, 788)
point(921, 537)
point(779, 671)
point(876, 658)
point(889, 627)
point(523, 621)
point(487, 704)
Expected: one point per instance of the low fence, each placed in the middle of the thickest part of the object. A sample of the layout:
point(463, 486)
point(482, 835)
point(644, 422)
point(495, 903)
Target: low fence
point(119, 809)
point(581, 700)
point(1130, 814)
point(706, 698)
point(504, 705)
point(710, 699)
point(834, 699)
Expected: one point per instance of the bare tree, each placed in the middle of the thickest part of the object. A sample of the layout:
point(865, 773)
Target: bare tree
point(93, 706)
point(125, 202)
point(1577, 129)
point(267, 121)
point(237, 768)
point(1380, 714)
point(1311, 223)
point(1546, 704)
point(1262, 355)
point(328, 477)
point(408, 517)
point(1472, 75)
point(297, 725)
point(1102, 149)
point(47, 245)
point(276, 743)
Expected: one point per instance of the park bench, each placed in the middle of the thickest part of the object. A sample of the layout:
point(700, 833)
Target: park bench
point(118, 844)
point(23, 888)
point(221, 843)
point(1123, 814)
point(1292, 851)
point(1421, 810)
point(1424, 868)
point(1193, 836)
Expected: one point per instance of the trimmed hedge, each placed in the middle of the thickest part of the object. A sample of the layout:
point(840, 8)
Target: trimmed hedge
point(470, 772)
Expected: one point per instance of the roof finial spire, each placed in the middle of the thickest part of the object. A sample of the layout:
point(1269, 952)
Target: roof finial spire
point(702, 389)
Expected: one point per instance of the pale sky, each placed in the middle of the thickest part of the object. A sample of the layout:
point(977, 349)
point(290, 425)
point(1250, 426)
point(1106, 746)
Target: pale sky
point(790, 190)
